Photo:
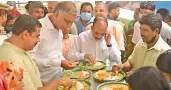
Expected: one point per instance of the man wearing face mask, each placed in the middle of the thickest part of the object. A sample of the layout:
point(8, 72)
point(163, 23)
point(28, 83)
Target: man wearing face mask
point(149, 48)
point(147, 7)
point(96, 44)
point(86, 13)
point(12, 9)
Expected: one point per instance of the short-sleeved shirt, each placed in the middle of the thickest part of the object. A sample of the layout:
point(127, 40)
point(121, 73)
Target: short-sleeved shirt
point(31, 75)
point(142, 56)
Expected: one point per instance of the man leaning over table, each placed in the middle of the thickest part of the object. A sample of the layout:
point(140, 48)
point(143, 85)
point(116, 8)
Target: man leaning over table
point(25, 35)
point(95, 44)
point(148, 48)
point(48, 52)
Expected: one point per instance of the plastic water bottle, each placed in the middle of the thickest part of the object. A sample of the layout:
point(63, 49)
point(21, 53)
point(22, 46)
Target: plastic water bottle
point(108, 65)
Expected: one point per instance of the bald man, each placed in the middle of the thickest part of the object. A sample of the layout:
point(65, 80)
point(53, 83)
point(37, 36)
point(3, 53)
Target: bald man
point(95, 44)
point(114, 27)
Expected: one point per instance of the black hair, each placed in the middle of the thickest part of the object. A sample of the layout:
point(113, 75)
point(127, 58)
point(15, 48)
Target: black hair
point(9, 17)
point(113, 6)
point(86, 4)
point(147, 5)
point(148, 78)
point(152, 20)
point(164, 13)
point(164, 62)
point(25, 22)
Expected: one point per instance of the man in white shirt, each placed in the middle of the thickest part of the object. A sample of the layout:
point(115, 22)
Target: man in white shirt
point(96, 44)
point(48, 53)
point(147, 7)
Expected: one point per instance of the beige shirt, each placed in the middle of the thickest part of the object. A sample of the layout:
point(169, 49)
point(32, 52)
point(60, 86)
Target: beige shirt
point(31, 76)
point(142, 56)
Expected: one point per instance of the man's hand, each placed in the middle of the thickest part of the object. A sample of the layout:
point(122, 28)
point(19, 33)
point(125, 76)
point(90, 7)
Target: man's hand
point(108, 38)
point(117, 68)
point(67, 64)
point(90, 57)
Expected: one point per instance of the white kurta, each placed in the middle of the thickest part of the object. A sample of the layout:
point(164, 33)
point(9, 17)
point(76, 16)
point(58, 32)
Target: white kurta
point(48, 52)
point(85, 43)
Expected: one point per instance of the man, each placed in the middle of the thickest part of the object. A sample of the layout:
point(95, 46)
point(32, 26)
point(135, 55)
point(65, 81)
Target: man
point(25, 35)
point(36, 9)
point(149, 48)
point(3, 19)
point(12, 9)
point(164, 14)
point(48, 53)
point(51, 6)
point(114, 27)
point(147, 7)
point(86, 13)
point(163, 64)
point(95, 44)
point(114, 10)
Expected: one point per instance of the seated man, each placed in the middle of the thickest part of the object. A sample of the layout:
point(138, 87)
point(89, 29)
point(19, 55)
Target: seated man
point(25, 35)
point(149, 48)
point(164, 64)
point(95, 44)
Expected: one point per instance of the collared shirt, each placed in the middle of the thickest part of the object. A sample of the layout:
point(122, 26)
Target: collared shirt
point(85, 43)
point(116, 29)
point(80, 27)
point(142, 56)
point(31, 75)
point(165, 32)
point(67, 44)
point(48, 52)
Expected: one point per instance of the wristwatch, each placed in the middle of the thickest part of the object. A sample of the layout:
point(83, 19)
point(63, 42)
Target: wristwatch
point(110, 45)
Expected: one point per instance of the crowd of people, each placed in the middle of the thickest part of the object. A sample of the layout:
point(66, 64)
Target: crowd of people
point(35, 47)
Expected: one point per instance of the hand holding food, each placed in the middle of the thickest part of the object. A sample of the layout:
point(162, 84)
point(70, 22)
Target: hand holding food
point(90, 57)
point(67, 64)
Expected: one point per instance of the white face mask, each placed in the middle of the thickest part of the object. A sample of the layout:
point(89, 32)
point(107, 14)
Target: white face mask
point(86, 16)
point(11, 7)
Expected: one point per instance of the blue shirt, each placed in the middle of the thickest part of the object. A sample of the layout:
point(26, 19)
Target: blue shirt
point(80, 26)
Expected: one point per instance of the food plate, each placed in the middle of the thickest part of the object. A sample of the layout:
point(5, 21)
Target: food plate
point(87, 65)
point(79, 84)
point(113, 86)
point(77, 74)
point(104, 76)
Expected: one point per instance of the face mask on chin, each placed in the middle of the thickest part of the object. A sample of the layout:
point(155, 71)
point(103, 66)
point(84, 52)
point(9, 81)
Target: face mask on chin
point(86, 16)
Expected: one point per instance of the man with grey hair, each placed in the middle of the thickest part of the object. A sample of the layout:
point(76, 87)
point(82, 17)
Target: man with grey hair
point(48, 54)
point(36, 9)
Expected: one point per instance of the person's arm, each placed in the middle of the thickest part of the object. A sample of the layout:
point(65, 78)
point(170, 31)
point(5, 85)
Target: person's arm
point(114, 52)
point(127, 66)
point(62, 81)
point(75, 51)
